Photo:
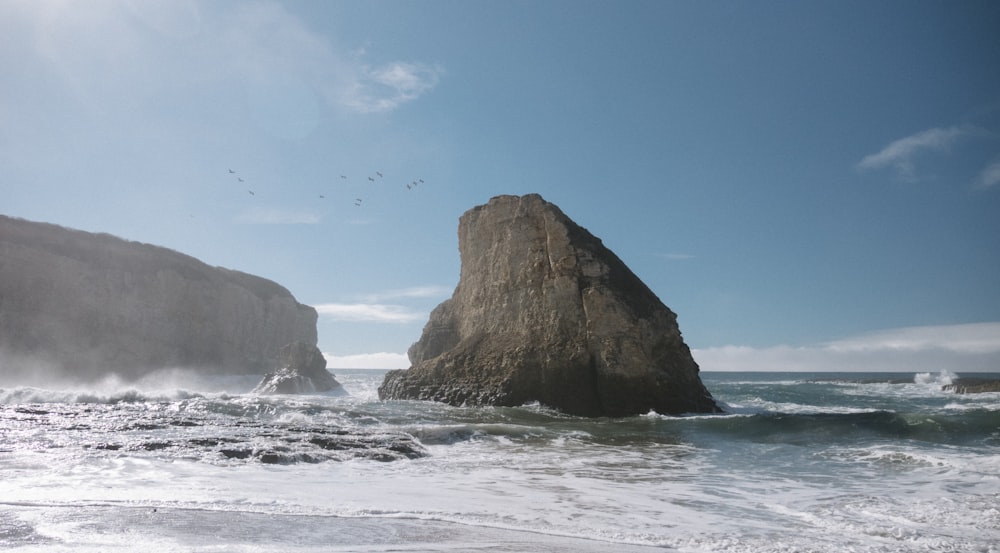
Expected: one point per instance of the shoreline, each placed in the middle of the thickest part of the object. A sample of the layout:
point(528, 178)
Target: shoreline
point(106, 527)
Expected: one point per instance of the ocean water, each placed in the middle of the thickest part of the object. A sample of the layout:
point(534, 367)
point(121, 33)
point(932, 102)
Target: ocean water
point(800, 462)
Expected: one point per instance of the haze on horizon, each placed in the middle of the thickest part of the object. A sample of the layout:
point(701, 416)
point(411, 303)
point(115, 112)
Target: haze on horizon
point(809, 186)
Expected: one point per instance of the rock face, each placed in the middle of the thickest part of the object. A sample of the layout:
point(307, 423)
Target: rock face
point(301, 370)
point(544, 312)
point(91, 304)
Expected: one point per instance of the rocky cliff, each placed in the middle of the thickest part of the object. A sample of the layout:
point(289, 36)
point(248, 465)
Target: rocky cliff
point(93, 304)
point(544, 312)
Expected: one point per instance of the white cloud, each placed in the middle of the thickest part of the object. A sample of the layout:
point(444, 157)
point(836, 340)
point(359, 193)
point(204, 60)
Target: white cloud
point(412, 292)
point(276, 216)
point(387, 87)
point(368, 312)
point(989, 176)
point(900, 154)
point(957, 348)
point(382, 360)
point(376, 307)
point(974, 338)
point(152, 53)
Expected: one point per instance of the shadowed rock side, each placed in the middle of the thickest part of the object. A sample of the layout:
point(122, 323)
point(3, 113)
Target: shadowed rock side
point(544, 312)
point(91, 304)
point(301, 369)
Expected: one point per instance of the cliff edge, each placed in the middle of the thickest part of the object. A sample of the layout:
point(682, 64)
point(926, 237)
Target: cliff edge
point(93, 304)
point(543, 311)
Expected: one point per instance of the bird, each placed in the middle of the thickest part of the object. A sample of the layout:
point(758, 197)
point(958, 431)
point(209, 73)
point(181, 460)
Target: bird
point(379, 174)
point(251, 192)
point(343, 176)
point(231, 171)
point(409, 186)
point(371, 179)
point(322, 196)
point(357, 202)
point(239, 179)
point(421, 181)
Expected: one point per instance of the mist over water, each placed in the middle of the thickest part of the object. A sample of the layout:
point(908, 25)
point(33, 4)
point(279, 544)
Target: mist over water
point(800, 462)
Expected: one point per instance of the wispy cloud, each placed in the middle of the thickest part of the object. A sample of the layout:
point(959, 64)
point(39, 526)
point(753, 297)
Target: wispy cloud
point(368, 312)
point(104, 48)
point(989, 176)
point(384, 306)
point(957, 348)
point(901, 154)
point(381, 360)
point(385, 88)
point(975, 338)
point(408, 293)
point(277, 216)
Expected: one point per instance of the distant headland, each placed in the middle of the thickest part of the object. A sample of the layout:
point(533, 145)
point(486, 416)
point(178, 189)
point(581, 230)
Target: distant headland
point(87, 305)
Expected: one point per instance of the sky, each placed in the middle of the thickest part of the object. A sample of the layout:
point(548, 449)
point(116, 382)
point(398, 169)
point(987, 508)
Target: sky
point(808, 185)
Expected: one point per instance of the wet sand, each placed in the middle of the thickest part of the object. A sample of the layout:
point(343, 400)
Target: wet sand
point(114, 528)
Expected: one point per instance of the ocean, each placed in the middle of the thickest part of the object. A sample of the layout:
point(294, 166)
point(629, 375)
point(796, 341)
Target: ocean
point(800, 462)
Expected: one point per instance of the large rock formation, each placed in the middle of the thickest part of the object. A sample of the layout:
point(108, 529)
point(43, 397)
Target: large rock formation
point(544, 312)
point(301, 369)
point(92, 304)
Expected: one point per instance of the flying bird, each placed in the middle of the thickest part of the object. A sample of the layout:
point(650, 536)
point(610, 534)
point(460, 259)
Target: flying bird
point(343, 176)
point(239, 179)
point(379, 174)
point(371, 179)
point(251, 192)
point(232, 172)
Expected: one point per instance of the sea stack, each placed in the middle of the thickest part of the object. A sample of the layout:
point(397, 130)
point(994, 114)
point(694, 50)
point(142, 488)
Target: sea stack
point(544, 312)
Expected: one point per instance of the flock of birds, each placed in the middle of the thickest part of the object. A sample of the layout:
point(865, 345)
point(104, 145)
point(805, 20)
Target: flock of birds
point(357, 201)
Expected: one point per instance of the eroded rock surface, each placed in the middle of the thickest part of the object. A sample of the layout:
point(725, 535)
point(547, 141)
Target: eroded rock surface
point(543, 311)
point(301, 369)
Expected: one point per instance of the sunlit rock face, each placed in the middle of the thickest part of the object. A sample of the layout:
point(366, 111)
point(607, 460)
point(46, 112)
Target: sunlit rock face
point(300, 369)
point(88, 305)
point(544, 312)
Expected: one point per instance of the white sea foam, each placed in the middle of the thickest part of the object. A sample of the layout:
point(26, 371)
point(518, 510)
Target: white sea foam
point(943, 378)
point(741, 482)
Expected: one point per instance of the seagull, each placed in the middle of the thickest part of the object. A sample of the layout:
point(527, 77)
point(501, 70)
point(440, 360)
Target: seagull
point(379, 174)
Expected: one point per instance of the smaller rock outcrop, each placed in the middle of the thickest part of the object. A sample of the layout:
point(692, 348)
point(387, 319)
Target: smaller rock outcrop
point(301, 370)
point(973, 386)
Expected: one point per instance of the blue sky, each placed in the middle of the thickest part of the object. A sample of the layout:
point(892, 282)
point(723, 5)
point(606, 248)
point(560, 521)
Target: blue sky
point(807, 184)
